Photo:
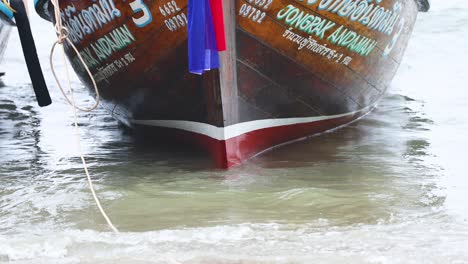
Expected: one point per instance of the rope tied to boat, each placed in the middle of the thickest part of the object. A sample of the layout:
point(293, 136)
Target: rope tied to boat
point(63, 34)
point(62, 38)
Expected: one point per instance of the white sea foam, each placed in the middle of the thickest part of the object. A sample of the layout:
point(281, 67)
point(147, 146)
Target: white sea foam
point(391, 189)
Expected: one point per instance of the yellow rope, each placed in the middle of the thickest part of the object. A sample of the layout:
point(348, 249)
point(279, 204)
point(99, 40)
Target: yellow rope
point(7, 4)
point(62, 37)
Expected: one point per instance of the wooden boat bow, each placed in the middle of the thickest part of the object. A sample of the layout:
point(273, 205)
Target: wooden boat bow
point(291, 68)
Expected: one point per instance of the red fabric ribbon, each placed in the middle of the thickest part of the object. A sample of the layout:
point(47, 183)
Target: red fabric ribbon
point(218, 21)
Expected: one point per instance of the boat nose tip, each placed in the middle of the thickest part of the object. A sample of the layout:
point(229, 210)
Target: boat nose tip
point(424, 5)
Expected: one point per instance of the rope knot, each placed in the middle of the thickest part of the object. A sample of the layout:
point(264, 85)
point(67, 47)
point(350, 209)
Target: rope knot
point(63, 34)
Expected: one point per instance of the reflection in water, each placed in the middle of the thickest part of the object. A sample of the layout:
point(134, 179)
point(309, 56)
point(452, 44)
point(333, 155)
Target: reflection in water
point(387, 189)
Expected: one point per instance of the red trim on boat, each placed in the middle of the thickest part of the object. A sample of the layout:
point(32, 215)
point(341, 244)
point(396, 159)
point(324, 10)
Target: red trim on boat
point(234, 151)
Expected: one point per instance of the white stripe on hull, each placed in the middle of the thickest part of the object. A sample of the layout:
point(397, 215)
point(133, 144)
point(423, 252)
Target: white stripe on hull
point(232, 131)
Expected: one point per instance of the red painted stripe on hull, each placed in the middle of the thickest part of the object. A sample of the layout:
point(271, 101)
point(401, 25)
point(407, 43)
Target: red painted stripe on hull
point(250, 144)
point(234, 151)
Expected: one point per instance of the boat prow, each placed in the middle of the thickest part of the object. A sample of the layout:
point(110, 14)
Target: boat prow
point(291, 69)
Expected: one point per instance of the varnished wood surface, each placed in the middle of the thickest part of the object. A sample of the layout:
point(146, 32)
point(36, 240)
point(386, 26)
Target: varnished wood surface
point(263, 74)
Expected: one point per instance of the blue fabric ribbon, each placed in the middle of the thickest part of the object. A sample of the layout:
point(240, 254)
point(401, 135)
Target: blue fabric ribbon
point(5, 10)
point(202, 45)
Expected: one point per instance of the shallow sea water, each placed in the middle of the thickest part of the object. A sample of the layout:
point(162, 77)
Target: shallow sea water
point(390, 188)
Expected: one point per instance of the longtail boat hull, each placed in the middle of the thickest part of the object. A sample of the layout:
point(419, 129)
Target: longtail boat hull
point(5, 28)
point(291, 69)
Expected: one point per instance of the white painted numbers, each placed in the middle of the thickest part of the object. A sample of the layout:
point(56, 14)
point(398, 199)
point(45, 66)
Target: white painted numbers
point(138, 6)
point(124, 61)
point(254, 10)
point(175, 22)
point(252, 13)
point(169, 8)
point(174, 18)
point(265, 4)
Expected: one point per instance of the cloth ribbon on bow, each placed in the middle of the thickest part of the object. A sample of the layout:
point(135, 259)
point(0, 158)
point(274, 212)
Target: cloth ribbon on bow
point(206, 36)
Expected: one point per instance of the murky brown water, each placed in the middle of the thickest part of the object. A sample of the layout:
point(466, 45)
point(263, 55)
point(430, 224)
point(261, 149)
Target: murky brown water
point(390, 188)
